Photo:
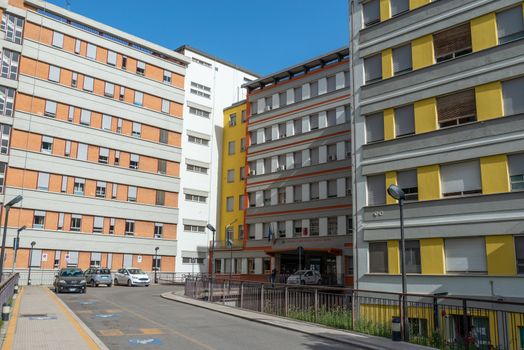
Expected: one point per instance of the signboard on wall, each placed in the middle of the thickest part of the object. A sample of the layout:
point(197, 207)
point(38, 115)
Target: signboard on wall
point(44, 256)
point(139, 258)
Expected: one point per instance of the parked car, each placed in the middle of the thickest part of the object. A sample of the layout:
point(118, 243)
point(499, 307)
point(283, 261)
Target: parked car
point(132, 277)
point(96, 276)
point(305, 277)
point(70, 279)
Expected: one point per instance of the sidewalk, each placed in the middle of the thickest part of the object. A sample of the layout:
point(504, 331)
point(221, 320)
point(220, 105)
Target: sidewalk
point(40, 320)
point(362, 340)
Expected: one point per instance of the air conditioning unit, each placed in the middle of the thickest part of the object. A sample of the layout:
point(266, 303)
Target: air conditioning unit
point(268, 108)
point(332, 158)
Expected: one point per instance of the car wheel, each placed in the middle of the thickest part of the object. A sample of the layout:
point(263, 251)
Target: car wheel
point(129, 283)
point(56, 289)
point(116, 282)
point(93, 283)
point(109, 285)
point(84, 291)
point(147, 285)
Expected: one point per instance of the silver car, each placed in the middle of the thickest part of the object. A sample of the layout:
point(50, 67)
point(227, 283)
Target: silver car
point(132, 277)
point(305, 277)
point(96, 276)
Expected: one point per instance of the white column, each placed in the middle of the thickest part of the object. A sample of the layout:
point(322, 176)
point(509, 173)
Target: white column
point(261, 105)
point(306, 91)
point(290, 128)
point(289, 194)
point(290, 96)
point(340, 115)
point(289, 161)
point(305, 124)
point(243, 266)
point(341, 225)
point(322, 154)
point(305, 225)
point(259, 198)
point(289, 228)
point(261, 136)
point(306, 157)
point(341, 187)
point(340, 81)
point(274, 132)
point(276, 101)
point(260, 166)
point(258, 266)
point(274, 164)
point(223, 265)
point(341, 150)
point(259, 231)
point(322, 226)
point(274, 196)
point(322, 86)
point(322, 120)
point(340, 272)
point(322, 190)
point(305, 192)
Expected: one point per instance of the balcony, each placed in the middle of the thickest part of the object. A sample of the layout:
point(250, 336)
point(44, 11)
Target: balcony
point(224, 245)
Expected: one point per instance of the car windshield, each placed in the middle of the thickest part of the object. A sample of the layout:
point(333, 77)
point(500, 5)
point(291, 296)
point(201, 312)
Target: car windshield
point(300, 272)
point(136, 272)
point(71, 273)
point(103, 272)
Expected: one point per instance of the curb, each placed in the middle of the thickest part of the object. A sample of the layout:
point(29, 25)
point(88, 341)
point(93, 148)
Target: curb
point(178, 298)
point(80, 323)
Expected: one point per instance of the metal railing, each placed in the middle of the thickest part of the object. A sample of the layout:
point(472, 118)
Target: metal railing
point(443, 322)
point(7, 287)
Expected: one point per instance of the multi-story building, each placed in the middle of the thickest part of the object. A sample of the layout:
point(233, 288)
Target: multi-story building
point(438, 111)
point(298, 197)
point(211, 85)
point(91, 122)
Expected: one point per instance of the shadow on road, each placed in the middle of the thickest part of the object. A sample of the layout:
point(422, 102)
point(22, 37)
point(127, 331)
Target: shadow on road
point(319, 343)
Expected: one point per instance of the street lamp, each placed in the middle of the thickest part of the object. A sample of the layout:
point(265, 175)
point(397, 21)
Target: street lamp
point(398, 194)
point(2, 252)
point(229, 242)
point(30, 261)
point(213, 230)
point(156, 264)
point(15, 246)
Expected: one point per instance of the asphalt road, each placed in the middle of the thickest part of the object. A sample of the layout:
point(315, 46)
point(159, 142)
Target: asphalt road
point(137, 317)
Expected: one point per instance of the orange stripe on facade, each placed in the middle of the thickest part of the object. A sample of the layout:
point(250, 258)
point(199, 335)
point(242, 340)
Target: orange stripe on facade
point(300, 176)
point(300, 210)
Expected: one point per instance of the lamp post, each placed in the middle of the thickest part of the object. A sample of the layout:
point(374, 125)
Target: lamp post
point(156, 264)
point(229, 241)
point(30, 260)
point(2, 252)
point(397, 193)
point(15, 246)
point(213, 230)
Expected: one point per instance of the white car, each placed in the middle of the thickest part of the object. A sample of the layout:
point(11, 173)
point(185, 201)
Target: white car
point(305, 277)
point(132, 277)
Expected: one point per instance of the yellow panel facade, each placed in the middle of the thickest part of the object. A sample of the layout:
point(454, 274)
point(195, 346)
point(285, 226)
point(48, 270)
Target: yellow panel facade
point(423, 52)
point(413, 4)
point(500, 251)
point(391, 179)
point(236, 188)
point(494, 173)
point(385, 10)
point(484, 32)
point(389, 124)
point(432, 256)
point(425, 112)
point(428, 178)
point(393, 258)
point(489, 101)
point(387, 63)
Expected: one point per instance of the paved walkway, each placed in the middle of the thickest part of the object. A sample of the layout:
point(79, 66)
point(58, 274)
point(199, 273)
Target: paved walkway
point(40, 320)
point(352, 338)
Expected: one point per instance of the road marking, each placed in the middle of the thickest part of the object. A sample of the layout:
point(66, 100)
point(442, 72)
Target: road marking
point(107, 316)
point(151, 331)
point(111, 332)
point(170, 330)
point(11, 328)
point(149, 341)
point(90, 342)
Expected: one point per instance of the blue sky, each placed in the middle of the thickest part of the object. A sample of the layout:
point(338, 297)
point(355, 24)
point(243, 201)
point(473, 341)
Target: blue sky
point(261, 35)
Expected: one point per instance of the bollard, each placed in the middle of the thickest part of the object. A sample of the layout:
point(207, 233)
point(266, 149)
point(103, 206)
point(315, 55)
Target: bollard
point(16, 289)
point(6, 309)
point(396, 334)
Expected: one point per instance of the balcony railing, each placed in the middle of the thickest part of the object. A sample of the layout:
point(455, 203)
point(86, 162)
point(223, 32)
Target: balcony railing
point(226, 245)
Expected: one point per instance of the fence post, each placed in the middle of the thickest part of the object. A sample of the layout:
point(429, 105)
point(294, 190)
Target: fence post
point(262, 298)
point(435, 315)
point(316, 304)
point(465, 321)
point(354, 300)
point(224, 292)
point(286, 301)
point(241, 295)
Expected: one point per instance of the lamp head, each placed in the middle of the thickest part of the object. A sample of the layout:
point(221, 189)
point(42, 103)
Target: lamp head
point(14, 201)
point(396, 192)
point(156, 249)
point(33, 244)
point(211, 228)
point(22, 228)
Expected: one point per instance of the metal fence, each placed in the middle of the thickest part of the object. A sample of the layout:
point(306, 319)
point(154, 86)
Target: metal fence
point(444, 322)
point(7, 287)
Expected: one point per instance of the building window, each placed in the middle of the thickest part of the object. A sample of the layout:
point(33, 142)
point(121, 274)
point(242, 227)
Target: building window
point(230, 204)
point(404, 121)
point(50, 109)
point(88, 84)
point(373, 68)
point(43, 182)
point(114, 191)
point(399, 7)
point(76, 222)
point(39, 219)
point(109, 90)
point(163, 136)
point(140, 68)
point(230, 175)
point(197, 140)
point(81, 151)
point(332, 188)
point(376, 185)
point(100, 189)
point(196, 169)
point(167, 77)
point(233, 119)
point(74, 79)
point(4, 135)
point(137, 130)
point(519, 247)
point(510, 24)
point(13, 27)
point(242, 144)
point(122, 93)
point(160, 197)
point(98, 224)
point(200, 90)
point(157, 260)
point(513, 94)
point(349, 225)
point(111, 58)
point(452, 43)
point(91, 51)
point(131, 194)
point(85, 117)
point(77, 46)
point(402, 61)
point(58, 40)
point(371, 12)
point(241, 202)
point(165, 106)
point(240, 232)
point(199, 112)
point(95, 259)
point(54, 74)
point(10, 63)
point(250, 266)
point(195, 198)
point(456, 109)
point(407, 181)
point(378, 257)
point(375, 127)
point(243, 116)
point(332, 223)
point(201, 62)
point(7, 99)
point(242, 172)
point(412, 249)
point(63, 187)
point(159, 230)
point(231, 148)
point(465, 255)
point(194, 228)
point(162, 165)
point(139, 98)
point(130, 227)
point(516, 171)
point(2, 176)
point(79, 186)
point(112, 226)
point(297, 228)
point(460, 179)
point(47, 144)
point(124, 62)
point(313, 227)
point(133, 161)
point(103, 155)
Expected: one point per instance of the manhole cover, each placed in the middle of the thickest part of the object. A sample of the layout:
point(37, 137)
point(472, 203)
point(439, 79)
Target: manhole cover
point(33, 315)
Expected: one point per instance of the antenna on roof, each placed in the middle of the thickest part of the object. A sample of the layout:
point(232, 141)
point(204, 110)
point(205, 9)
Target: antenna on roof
point(68, 4)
